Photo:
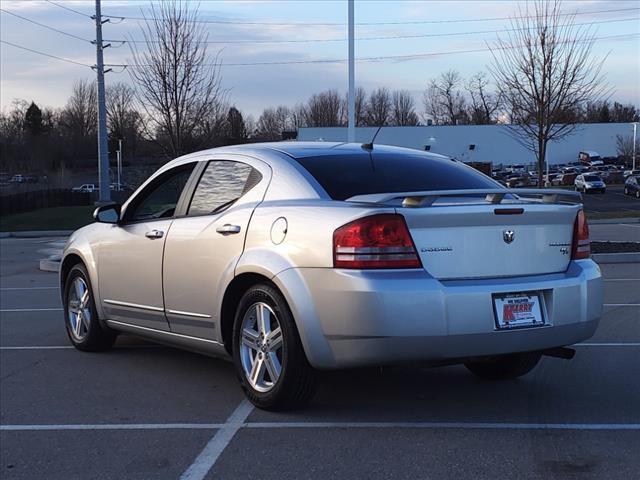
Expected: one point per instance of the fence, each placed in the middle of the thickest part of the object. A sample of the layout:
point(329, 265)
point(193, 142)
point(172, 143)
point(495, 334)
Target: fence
point(33, 200)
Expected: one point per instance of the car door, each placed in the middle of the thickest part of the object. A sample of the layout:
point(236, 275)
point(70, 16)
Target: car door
point(203, 247)
point(130, 254)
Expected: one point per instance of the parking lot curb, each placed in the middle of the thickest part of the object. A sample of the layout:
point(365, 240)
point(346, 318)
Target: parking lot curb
point(36, 234)
point(633, 257)
point(608, 221)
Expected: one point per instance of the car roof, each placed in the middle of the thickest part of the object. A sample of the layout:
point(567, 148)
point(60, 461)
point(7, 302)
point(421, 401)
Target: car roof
point(297, 150)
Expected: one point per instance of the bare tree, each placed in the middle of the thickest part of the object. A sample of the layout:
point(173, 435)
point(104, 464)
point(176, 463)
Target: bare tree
point(272, 122)
point(403, 113)
point(444, 101)
point(80, 115)
point(624, 146)
point(484, 103)
point(379, 108)
point(324, 109)
point(178, 82)
point(123, 121)
point(545, 70)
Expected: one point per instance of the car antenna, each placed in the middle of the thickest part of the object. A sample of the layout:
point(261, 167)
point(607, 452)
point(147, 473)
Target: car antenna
point(369, 146)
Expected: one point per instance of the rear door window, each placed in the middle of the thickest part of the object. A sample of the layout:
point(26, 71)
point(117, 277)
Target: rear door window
point(345, 176)
point(222, 183)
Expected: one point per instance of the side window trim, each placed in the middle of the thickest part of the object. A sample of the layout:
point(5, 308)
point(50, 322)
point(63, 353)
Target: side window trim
point(134, 202)
point(190, 189)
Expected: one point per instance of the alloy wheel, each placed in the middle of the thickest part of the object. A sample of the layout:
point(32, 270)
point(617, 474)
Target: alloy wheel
point(78, 309)
point(261, 347)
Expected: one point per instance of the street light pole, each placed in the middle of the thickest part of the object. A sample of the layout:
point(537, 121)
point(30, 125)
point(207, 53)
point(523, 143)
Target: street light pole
point(635, 127)
point(351, 125)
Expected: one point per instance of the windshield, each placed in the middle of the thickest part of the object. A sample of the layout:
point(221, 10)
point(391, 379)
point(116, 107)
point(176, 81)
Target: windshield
point(592, 178)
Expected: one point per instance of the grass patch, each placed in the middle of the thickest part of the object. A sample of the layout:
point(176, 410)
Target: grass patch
point(56, 218)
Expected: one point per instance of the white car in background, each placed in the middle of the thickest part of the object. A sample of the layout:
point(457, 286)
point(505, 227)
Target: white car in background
point(85, 188)
point(589, 182)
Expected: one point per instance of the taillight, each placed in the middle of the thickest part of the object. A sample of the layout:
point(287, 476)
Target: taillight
point(378, 241)
point(581, 245)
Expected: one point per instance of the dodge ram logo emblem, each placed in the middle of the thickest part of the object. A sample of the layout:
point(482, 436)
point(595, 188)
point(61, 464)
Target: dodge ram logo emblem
point(508, 235)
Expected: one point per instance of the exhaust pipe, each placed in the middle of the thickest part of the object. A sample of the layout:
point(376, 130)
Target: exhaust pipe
point(565, 353)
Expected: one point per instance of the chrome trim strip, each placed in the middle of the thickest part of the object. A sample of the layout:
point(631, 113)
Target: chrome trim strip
point(188, 314)
point(134, 305)
point(171, 334)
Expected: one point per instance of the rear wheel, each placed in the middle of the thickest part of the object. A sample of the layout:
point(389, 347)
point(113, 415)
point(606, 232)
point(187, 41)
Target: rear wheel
point(626, 191)
point(81, 317)
point(270, 362)
point(505, 367)
point(638, 193)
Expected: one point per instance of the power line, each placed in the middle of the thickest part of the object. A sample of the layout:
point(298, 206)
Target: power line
point(45, 26)
point(46, 54)
point(392, 37)
point(68, 8)
point(414, 22)
point(413, 56)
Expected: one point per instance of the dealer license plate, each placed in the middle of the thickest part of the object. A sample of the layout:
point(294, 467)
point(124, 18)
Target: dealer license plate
point(515, 310)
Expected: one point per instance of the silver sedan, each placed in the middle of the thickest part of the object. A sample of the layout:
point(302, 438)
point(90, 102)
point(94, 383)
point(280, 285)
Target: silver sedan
point(293, 257)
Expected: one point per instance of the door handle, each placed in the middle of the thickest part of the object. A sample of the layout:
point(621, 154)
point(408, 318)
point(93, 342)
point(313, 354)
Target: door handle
point(154, 234)
point(228, 229)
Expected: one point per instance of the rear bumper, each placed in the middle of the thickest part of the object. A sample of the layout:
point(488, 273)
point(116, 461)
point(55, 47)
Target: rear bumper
point(350, 318)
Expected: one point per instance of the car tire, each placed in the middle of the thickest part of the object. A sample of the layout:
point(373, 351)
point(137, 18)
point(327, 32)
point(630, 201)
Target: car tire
point(293, 382)
point(83, 327)
point(626, 191)
point(637, 193)
point(505, 367)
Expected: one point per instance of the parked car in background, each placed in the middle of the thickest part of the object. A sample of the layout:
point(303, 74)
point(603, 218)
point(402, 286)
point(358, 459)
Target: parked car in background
point(263, 254)
point(85, 188)
point(631, 172)
point(589, 182)
point(31, 178)
point(632, 186)
point(564, 179)
point(18, 178)
point(119, 187)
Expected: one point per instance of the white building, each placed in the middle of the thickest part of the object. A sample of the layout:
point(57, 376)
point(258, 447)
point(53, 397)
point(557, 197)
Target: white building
point(482, 143)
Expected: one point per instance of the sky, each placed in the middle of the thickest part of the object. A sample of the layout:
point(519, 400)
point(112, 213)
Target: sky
point(47, 81)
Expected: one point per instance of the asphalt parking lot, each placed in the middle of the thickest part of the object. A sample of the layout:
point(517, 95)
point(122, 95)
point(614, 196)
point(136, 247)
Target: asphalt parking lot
point(143, 411)
point(613, 201)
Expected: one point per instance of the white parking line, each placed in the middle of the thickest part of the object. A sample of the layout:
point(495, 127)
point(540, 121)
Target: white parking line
point(13, 310)
point(114, 426)
point(207, 458)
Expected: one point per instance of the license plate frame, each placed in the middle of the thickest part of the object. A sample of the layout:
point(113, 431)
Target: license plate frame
point(517, 310)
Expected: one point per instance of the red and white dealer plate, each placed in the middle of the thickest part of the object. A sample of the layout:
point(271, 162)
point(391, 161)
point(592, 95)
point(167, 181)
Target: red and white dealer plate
point(517, 310)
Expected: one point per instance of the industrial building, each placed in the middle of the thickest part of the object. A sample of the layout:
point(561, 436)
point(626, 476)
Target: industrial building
point(483, 143)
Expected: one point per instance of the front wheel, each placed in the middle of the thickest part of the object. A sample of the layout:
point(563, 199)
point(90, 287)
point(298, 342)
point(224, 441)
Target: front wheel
point(269, 359)
point(81, 317)
point(637, 193)
point(505, 367)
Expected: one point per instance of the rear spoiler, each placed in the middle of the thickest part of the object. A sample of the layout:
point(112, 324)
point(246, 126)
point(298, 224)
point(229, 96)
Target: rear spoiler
point(491, 195)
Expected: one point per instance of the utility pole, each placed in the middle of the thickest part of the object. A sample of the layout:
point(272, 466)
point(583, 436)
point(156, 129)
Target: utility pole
point(103, 148)
point(351, 125)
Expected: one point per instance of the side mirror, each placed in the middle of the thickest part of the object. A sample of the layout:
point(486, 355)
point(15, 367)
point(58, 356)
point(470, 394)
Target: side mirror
point(107, 213)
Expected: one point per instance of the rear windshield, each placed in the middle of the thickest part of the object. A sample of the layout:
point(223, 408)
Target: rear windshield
point(591, 178)
point(346, 176)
